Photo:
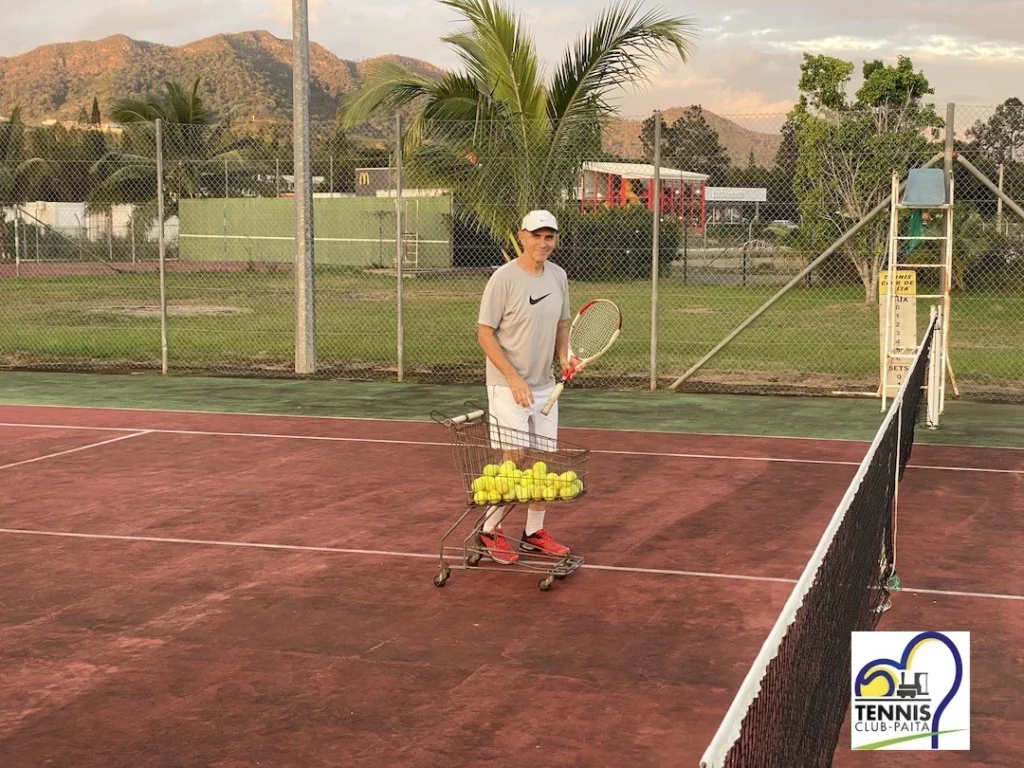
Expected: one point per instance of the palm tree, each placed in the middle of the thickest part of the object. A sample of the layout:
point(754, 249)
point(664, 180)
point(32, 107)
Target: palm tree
point(497, 132)
point(196, 146)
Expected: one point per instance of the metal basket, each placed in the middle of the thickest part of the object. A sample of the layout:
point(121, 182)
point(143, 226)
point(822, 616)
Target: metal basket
point(493, 459)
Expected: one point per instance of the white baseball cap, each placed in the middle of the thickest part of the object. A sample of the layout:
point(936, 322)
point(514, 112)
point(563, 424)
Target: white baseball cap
point(535, 220)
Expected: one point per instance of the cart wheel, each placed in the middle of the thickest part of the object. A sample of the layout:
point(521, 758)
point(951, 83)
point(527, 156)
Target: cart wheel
point(545, 584)
point(474, 559)
point(442, 577)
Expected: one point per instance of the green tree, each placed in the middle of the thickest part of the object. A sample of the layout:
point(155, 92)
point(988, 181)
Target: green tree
point(196, 146)
point(848, 150)
point(95, 118)
point(496, 132)
point(1000, 139)
point(689, 144)
point(12, 169)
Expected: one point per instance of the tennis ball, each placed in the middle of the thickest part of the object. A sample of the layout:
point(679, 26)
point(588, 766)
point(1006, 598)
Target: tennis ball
point(523, 493)
point(517, 476)
point(550, 493)
point(567, 491)
point(537, 493)
point(567, 477)
point(480, 497)
point(493, 497)
point(552, 480)
point(501, 485)
point(491, 470)
point(479, 484)
point(527, 475)
point(507, 468)
point(540, 469)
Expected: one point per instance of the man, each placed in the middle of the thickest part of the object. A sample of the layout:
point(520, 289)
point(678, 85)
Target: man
point(523, 326)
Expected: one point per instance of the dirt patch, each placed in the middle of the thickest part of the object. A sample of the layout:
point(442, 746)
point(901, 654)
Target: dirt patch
point(173, 310)
point(694, 311)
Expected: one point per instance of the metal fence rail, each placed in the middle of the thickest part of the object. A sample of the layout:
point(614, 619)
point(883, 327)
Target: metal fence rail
point(93, 277)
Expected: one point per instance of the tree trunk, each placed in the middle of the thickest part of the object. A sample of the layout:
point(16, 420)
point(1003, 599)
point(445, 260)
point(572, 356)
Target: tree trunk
point(867, 268)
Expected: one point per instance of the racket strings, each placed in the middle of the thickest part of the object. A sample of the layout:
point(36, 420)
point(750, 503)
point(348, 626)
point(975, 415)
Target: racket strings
point(594, 329)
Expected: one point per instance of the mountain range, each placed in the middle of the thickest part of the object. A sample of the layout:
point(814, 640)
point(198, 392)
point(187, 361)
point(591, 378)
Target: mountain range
point(247, 75)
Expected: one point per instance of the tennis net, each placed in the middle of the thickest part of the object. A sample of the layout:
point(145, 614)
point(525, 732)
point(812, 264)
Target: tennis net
point(791, 707)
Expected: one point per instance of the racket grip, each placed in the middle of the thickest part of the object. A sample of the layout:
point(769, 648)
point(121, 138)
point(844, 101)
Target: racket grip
point(552, 398)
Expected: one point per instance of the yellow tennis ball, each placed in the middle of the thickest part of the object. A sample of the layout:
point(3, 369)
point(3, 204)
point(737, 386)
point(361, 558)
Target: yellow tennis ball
point(493, 497)
point(567, 491)
point(517, 475)
point(523, 493)
point(527, 475)
point(480, 497)
point(567, 477)
point(491, 470)
point(479, 484)
point(549, 493)
point(501, 484)
point(507, 468)
point(577, 487)
point(540, 469)
point(552, 480)
point(537, 493)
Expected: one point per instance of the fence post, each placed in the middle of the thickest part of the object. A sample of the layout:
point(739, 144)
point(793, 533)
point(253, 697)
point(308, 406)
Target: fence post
point(160, 242)
point(305, 285)
point(655, 249)
point(399, 247)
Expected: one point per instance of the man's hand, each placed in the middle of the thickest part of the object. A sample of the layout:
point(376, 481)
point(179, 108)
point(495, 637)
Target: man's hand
point(520, 390)
point(566, 364)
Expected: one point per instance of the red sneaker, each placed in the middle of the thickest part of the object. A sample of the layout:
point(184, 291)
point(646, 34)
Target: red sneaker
point(497, 547)
point(541, 541)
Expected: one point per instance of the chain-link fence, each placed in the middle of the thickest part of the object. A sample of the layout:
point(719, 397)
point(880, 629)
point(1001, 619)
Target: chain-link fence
point(770, 233)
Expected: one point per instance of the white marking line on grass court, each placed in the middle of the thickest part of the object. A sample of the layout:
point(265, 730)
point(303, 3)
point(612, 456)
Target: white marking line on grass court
point(134, 433)
point(425, 556)
point(426, 443)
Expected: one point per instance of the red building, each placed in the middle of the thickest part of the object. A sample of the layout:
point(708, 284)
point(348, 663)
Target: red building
point(619, 185)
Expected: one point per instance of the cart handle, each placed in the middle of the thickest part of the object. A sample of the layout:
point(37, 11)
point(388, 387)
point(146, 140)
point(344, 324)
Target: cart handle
point(450, 420)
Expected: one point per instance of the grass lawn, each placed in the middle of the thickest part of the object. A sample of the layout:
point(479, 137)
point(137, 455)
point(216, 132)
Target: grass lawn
point(241, 321)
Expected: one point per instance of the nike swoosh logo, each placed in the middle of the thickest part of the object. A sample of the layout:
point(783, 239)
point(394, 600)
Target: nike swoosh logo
point(534, 301)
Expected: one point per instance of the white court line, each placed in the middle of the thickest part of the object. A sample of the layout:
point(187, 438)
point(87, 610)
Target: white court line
point(425, 556)
point(135, 433)
point(681, 433)
point(426, 443)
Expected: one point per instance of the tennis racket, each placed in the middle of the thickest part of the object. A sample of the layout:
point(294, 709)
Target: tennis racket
point(596, 327)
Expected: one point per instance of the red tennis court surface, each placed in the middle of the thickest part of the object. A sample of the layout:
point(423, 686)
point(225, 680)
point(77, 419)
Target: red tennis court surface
point(197, 589)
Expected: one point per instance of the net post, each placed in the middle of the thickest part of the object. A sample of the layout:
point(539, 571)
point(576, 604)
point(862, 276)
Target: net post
point(936, 365)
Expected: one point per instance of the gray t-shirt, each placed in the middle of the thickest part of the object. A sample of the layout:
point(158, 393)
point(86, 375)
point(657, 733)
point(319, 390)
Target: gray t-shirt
point(525, 309)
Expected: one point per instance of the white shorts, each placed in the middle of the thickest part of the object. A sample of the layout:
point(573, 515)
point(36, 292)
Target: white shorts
point(506, 412)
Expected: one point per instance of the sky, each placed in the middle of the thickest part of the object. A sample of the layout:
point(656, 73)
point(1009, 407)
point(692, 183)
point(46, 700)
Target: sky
point(746, 62)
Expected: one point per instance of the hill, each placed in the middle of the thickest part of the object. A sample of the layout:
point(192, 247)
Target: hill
point(622, 138)
point(248, 75)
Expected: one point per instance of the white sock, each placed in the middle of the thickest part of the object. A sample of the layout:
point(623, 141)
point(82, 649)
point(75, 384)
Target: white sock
point(534, 520)
point(493, 518)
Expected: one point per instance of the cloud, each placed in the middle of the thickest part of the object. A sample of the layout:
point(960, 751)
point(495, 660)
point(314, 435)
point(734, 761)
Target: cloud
point(747, 58)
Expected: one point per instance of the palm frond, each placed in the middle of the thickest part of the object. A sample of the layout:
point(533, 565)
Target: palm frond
point(388, 87)
point(135, 111)
point(499, 46)
point(617, 51)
